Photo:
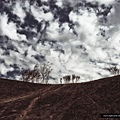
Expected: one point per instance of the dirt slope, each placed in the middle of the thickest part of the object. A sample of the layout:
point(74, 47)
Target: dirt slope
point(83, 101)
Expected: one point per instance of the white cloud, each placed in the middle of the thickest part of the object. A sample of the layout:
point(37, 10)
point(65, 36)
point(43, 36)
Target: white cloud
point(27, 5)
point(39, 14)
point(106, 2)
point(86, 26)
point(44, 0)
point(59, 3)
point(17, 9)
point(9, 29)
point(114, 15)
point(53, 30)
point(4, 69)
point(93, 54)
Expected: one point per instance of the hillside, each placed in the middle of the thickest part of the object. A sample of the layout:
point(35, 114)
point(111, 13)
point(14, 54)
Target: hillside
point(80, 101)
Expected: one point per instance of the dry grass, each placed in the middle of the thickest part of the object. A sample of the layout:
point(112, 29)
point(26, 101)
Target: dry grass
point(83, 101)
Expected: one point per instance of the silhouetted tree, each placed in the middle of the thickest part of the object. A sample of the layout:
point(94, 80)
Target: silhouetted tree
point(39, 73)
point(114, 70)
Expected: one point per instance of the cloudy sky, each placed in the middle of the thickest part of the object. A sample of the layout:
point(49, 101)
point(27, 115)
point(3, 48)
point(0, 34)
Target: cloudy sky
point(80, 37)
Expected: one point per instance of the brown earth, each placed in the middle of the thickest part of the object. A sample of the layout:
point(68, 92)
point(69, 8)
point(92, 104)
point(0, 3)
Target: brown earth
point(80, 101)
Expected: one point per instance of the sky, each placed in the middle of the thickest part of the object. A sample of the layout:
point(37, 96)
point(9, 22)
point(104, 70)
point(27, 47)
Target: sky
point(80, 37)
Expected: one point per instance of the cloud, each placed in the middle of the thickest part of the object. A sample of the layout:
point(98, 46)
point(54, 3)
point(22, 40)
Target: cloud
point(18, 10)
point(53, 30)
point(9, 29)
point(39, 14)
point(85, 53)
point(86, 26)
point(114, 16)
point(59, 3)
point(44, 0)
point(106, 2)
point(27, 5)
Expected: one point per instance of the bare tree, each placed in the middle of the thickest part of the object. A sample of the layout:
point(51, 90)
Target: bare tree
point(31, 75)
point(77, 78)
point(60, 80)
point(40, 72)
point(66, 78)
point(45, 71)
point(25, 75)
point(114, 70)
point(73, 77)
